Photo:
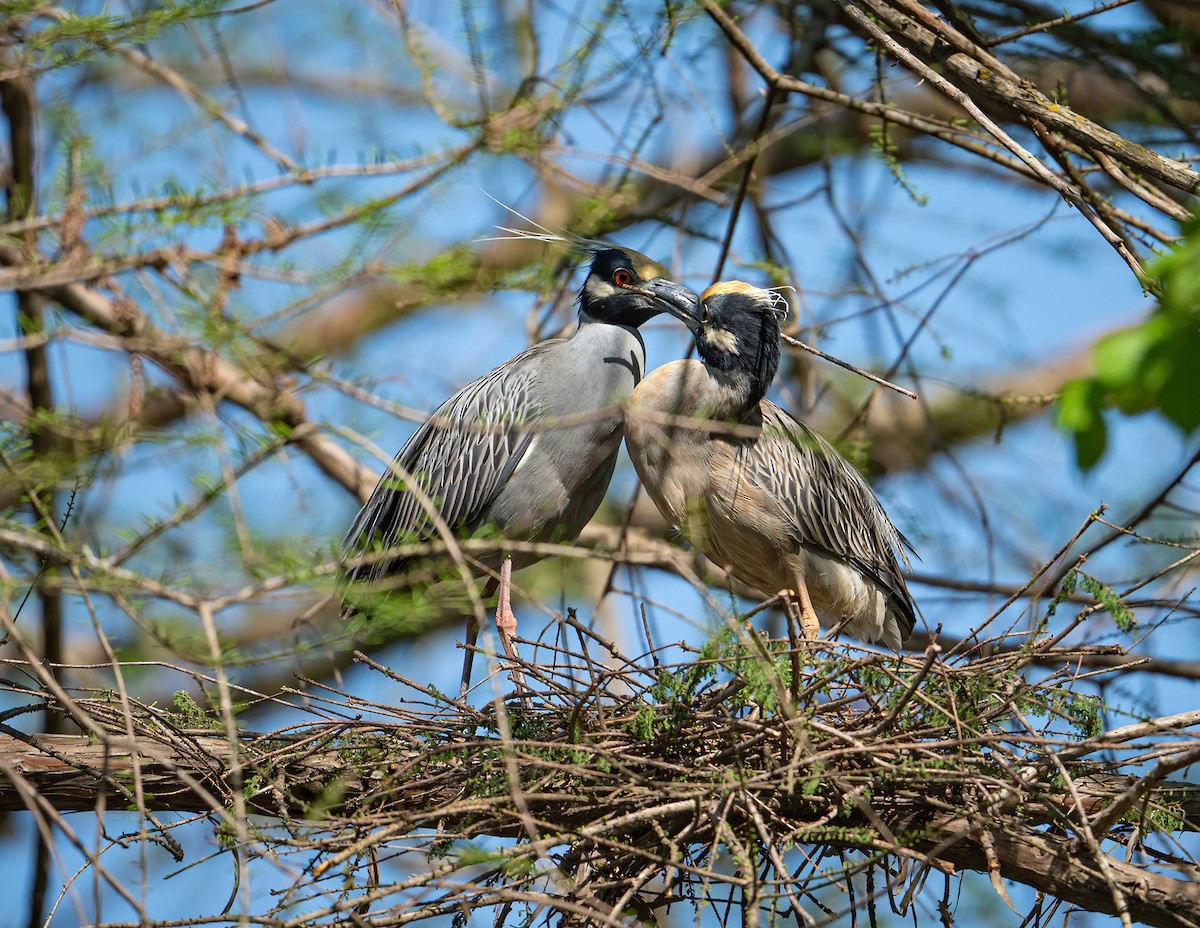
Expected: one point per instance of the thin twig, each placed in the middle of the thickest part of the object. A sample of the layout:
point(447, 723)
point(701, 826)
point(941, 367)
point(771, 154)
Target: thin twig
point(795, 342)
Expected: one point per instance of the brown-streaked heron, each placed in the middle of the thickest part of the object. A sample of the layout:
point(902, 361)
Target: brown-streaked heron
point(760, 493)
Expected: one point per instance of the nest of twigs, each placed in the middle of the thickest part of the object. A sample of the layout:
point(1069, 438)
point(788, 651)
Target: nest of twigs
point(753, 776)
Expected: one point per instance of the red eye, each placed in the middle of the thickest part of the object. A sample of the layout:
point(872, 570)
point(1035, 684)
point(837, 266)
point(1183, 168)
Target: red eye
point(623, 277)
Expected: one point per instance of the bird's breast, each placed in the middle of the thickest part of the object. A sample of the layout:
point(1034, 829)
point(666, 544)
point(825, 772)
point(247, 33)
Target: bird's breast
point(579, 396)
point(669, 441)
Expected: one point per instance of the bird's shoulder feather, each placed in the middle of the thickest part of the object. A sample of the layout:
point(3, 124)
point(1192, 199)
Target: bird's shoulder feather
point(461, 456)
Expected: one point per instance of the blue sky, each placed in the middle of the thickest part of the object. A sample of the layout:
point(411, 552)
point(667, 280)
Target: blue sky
point(1022, 306)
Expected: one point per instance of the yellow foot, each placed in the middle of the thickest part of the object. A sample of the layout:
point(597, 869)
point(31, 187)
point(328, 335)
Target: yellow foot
point(810, 626)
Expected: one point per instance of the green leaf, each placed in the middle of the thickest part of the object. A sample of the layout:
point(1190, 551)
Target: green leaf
point(1180, 395)
point(1079, 412)
point(1120, 356)
point(1149, 366)
point(1179, 270)
point(1090, 444)
point(1079, 404)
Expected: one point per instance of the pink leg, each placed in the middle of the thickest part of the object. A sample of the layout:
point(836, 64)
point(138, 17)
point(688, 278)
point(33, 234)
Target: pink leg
point(506, 622)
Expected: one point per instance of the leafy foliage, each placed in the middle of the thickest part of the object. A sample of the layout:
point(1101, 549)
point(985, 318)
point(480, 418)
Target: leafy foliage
point(1150, 366)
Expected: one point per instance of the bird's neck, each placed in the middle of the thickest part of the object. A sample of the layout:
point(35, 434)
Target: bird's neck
point(736, 395)
point(744, 369)
point(628, 319)
point(592, 328)
point(606, 341)
point(591, 323)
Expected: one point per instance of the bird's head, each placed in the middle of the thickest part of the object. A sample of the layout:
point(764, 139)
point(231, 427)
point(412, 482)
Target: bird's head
point(737, 331)
point(627, 288)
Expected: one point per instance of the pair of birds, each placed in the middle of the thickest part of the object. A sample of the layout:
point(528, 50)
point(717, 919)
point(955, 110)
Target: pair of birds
point(527, 451)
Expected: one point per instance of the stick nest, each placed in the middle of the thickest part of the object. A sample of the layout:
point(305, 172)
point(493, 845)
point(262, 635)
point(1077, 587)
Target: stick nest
point(752, 775)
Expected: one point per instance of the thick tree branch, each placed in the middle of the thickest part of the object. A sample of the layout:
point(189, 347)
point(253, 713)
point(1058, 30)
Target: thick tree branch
point(977, 68)
point(71, 772)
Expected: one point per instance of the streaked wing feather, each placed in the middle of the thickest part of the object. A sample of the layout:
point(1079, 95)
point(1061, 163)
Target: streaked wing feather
point(845, 519)
point(463, 455)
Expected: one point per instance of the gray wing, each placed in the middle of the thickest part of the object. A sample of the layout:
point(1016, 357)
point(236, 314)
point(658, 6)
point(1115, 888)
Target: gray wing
point(461, 457)
point(789, 461)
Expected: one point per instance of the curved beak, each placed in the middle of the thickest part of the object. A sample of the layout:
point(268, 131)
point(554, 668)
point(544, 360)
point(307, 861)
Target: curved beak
point(675, 298)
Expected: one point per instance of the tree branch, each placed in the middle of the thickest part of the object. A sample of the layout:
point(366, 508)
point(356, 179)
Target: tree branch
point(912, 757)
point(201, 369)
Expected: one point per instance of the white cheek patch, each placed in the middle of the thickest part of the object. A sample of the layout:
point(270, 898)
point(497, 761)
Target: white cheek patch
point(599, 289)
point(722, 339)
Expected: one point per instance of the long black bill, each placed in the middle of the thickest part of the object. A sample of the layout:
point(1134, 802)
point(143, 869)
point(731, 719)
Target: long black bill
point(676, 299)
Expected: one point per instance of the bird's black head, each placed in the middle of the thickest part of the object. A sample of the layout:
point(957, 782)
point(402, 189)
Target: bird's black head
point(737, 331)
point(627, 288)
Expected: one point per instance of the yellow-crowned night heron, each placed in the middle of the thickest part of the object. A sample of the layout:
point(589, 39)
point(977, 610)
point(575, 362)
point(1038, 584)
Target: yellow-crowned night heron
point(757, 491)
point(491, 458)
